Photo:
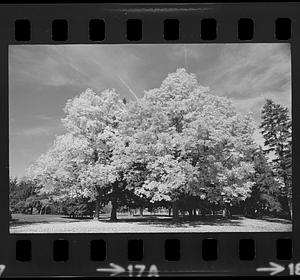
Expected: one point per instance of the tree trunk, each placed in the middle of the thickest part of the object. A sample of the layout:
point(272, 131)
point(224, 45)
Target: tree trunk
point(175, 211)
point(190, 212)
point(141, 211)
point(226, 212)
point(97, 209)
point(113, 214)
point(290, 208)
point(287, 187)
point(170, 212)
point(31, 210)
point(245, 211)
point(195, 212)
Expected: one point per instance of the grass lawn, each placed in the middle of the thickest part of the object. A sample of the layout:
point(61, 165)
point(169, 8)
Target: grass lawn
point(23, 223)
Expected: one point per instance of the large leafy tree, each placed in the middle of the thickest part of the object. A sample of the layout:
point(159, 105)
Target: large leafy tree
point(191, 142)
point(80, 163)
point(276, 128)
point(178, 141)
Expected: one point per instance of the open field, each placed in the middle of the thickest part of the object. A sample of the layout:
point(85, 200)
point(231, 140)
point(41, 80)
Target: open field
point(22, 223)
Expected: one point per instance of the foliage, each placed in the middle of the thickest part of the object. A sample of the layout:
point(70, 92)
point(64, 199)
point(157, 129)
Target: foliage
point(266, 189)
point(79, 207)
point(191, 142)
point(277, 131)
point(80, 163)
point(178, 145)
point(21, 194)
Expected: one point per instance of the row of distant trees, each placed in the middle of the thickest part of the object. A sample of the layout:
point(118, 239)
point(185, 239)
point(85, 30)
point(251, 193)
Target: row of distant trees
point(178, 147)
point(24, 198)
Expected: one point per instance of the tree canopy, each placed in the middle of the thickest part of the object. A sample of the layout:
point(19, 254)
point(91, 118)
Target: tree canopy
point(178, 141)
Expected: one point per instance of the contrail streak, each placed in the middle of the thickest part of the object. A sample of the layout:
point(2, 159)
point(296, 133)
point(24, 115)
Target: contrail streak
point(127, 86)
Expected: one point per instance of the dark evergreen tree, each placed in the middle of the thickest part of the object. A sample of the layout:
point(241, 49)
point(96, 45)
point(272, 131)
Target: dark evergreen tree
point(277, 131)
point(265, 192)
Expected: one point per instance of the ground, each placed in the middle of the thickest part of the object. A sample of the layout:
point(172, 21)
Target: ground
point(22, 223)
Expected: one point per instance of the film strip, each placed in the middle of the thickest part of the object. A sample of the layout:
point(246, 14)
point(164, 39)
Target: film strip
point(158, 242)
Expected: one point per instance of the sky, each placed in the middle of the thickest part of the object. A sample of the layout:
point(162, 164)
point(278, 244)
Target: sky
point(43, 77)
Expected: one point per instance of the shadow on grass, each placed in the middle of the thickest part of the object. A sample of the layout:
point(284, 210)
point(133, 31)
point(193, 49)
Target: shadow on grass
point(77, 218)
point(167, 221)
point(17, 222)
point(193, 221)
point(25, 219)
point(276, 220)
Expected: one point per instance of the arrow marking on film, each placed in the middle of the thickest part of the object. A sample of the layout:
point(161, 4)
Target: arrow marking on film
point(115, 269)
point(274, 268)
point(2, 268)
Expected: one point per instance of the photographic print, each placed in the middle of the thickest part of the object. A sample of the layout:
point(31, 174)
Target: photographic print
point(150, 138)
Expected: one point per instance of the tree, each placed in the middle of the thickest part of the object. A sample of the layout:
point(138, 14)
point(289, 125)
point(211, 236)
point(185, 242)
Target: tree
point(276, 128)
point(266, 190)
point(191, 142)
point(79, 164)
point(13, 193)
point(21, 195)
point(179, 142)
point(78, 207)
